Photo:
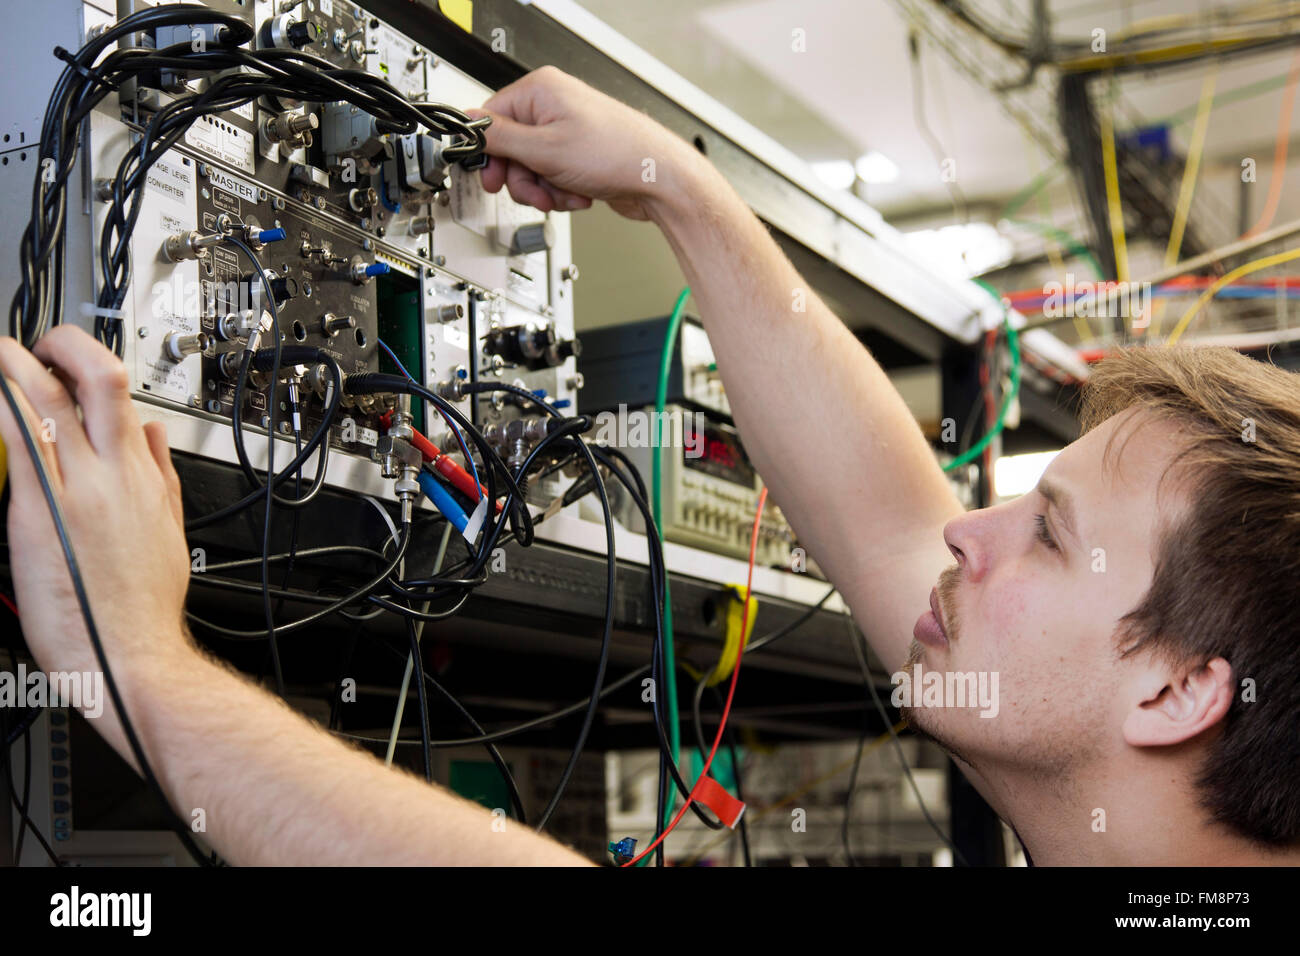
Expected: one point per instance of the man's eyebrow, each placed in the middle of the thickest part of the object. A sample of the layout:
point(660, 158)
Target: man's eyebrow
point(1062, 501)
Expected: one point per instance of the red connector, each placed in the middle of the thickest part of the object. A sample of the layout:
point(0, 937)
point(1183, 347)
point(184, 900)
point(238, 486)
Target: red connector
point(459, 478)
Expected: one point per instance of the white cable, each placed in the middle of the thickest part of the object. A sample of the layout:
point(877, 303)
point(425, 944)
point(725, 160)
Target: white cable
point(410, 661)
point(388, 519)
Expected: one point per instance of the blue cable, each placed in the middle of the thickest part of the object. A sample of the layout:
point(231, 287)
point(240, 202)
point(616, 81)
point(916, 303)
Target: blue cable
point(460, 439)
point(442, 500)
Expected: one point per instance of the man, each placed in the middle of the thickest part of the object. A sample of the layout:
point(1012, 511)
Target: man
point(1137, 606)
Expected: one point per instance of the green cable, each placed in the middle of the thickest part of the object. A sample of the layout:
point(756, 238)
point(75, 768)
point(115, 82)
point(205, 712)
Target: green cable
point(656, 505)
point(1036, 186)
point(1013, 343)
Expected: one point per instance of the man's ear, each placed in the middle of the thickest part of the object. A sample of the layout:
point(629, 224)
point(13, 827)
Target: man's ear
point(1179, 705)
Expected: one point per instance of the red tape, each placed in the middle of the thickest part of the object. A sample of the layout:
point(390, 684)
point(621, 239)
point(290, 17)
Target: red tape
point(714, 796)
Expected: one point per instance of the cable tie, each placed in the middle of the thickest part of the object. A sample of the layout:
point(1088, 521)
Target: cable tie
point(476, 520)
point(98, 311)
point(85, 71)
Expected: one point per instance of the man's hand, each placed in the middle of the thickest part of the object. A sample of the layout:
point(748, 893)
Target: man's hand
point(556, 144)
point(273, 787)
point(121, 501)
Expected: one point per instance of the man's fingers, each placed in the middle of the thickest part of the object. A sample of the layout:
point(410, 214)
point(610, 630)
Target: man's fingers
point(55, 421)
point(22, 473)
point(101, 384)
point(510, 139)
point(522, 183)
point(562, 198)
point(494, 173)
point(155, 434)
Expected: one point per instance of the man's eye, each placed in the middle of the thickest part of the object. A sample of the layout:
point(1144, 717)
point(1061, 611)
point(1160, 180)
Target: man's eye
point(1042, 533)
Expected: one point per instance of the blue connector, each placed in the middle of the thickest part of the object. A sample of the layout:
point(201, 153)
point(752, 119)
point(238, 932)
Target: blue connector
point(624, 850)
point(562, 403)
point(377, 269)
point(442, 500)
point(271, 235)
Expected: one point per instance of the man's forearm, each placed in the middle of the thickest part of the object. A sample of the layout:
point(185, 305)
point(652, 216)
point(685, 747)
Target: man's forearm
point(276, 789)
point(828, 431)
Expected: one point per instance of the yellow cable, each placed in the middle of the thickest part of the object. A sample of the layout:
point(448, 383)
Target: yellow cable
point(1182, 51)
point(1188, 186)
point(1232, 276)
point(1115, 211)
point(1193, 21)
point(731, 646)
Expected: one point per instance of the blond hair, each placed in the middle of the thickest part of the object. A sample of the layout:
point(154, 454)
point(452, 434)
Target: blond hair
point(1227, 567)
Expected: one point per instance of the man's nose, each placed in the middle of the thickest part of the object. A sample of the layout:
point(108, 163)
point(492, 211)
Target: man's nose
point(968, 538)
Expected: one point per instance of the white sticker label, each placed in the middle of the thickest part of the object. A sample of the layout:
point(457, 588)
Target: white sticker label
point(327, 8)
point(222, 141)
point(367, 436)
point(232, 184)
point(171, 183)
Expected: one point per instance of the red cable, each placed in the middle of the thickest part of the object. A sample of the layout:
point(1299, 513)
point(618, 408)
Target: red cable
point(1279, 153)
point(4, 598)
point(731, 691)
point(461, 479)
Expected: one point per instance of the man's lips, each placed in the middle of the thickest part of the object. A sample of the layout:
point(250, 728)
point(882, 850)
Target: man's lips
point(929, 626)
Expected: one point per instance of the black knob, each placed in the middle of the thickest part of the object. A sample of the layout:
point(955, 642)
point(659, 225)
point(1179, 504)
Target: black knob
point(302, 33)
point(542, 339)
point(568, 347)
point(283, 288)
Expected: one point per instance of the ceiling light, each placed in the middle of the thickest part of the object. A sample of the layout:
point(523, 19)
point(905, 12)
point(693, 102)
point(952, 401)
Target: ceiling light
point(875, 167)
point(836, 173)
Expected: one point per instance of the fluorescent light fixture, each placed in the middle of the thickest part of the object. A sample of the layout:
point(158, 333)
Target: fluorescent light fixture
point(963, 249)
point(836, 173)
point(1015, 475)
point(875, 167)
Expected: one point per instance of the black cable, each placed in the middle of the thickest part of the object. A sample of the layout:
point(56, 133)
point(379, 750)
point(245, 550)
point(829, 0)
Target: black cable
point(268, 359)
point(516, 507)
point(517, 729)
point(658, 573)
point(333, 606)
point(87, 615)
point(417, 668)
point(729, 737)
point(856, 637)
point(790, 628)
point(345, 664)
point(853, 787)
point(241, 76)
point(516, 799)
point(278, 340)
point(528, 725)
point(24, 805)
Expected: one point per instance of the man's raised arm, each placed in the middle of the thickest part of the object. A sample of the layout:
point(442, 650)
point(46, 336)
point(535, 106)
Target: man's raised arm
point(828, 431)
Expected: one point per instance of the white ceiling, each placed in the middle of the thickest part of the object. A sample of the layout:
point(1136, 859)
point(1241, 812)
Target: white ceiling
point(851, 89)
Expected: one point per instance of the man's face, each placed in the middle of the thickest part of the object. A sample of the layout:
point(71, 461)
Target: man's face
point(1040, 585)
